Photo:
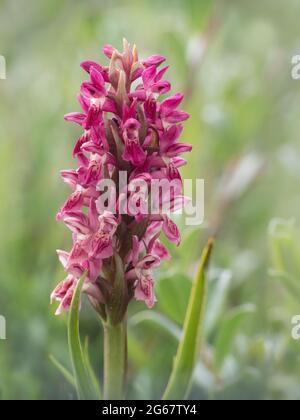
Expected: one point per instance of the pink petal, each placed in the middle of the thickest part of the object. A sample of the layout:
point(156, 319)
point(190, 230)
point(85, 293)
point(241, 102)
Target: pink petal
point(94, 269)
point(70, 176)
point(108, 50)
point(148, 75)
point(171, 231)
point(160, 250)
point(139, 94)
point(178, 162)
point(108, 223)
point(170, 103)
point(160, 73)
point(147, 262)
point(97, 79)
point(144, 290)
point(93, 215)
point(150, 109)
point(109, 106)
point(154, 60)
point(178, 148)
point(64, 293)
point(134, 153)
point(84, 102)
point(63, 257)
point(176, 116)
point(74, 202)
point(76, 117)
point(77, 222)
point(161, 87)
point(87, 65)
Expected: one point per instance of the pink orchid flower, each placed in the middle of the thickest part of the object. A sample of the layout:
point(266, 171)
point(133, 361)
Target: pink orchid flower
point(126, 127)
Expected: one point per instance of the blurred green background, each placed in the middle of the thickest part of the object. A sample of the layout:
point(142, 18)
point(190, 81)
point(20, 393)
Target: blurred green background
point(232, 59)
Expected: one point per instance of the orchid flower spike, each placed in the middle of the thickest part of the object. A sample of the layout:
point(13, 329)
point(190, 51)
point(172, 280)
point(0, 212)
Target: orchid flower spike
point(125, 128)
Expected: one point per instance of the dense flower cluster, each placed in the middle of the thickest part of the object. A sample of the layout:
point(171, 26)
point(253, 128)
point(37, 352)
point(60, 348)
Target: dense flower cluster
point(126, 128)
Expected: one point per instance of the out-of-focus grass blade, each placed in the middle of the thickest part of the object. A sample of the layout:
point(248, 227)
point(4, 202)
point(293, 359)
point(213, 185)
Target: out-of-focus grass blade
point(64, 371)
point(82, 380)
point(291, 283)
point(284, 246)
point(217, 293)
point(91, 372)
point(158, 320)
point(185, 359)
point(284, 249)
point(228, 331)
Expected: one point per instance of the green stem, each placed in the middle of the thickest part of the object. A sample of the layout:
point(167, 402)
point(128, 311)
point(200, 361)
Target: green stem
point(115, 359)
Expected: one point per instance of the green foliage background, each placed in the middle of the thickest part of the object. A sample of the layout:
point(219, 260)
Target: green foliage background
point(233, 60)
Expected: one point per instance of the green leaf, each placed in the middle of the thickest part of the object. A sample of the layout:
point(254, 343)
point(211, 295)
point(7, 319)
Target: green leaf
point(158, 320)
point(91, 372)
point(228, 332)
point(186, 357)
point(83, 383)
point(284, 246)
point(217, 293)
point(291, 283)
point(66, 374)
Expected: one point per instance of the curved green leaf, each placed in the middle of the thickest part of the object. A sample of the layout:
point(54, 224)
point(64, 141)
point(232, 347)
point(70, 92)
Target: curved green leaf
point(217, 293)
point(83, 383)
point(158, 320)
point(290, 282)
point(90, 369)
point(186, 357)
point(64, 371)
point(228, 331)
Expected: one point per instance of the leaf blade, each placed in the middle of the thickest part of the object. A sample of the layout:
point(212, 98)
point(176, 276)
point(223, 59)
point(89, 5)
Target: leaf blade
point(228, 330)
point(185, 359)
point(64, 371)
point(83, 386)
point(91, 372)
point(159, 321)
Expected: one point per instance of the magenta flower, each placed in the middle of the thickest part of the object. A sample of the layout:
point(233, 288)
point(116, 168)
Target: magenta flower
point(126, 128)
